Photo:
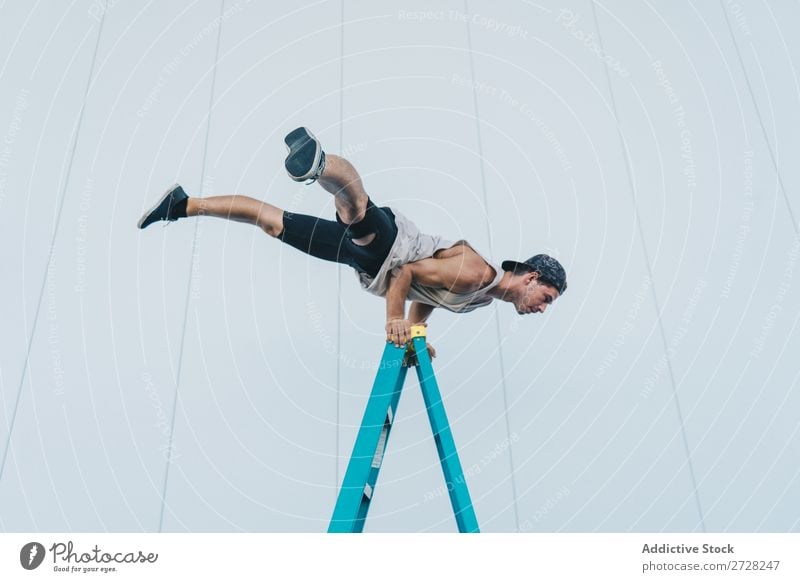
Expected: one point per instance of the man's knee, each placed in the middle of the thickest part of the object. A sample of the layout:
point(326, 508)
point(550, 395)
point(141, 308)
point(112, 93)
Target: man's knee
point(351, 213)
point(270, 220)
point(356, 219)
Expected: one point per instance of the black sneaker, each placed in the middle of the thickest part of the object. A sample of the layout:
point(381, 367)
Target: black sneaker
point(164, 208)
point(306, 160)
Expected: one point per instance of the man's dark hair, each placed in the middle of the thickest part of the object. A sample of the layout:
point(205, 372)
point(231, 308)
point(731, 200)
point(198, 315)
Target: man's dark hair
point(550, 270)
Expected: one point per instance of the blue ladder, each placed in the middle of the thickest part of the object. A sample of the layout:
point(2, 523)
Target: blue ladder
point(358, 487)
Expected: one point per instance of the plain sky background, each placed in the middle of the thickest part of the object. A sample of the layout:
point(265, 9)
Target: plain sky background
point(204, 377)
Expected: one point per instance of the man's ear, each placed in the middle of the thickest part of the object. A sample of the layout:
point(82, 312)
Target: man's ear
point(532, 276)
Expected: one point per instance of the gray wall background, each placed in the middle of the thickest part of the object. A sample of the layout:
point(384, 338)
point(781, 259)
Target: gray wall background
point(204, 377)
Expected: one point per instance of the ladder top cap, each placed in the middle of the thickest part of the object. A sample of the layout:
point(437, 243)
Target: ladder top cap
point(418, 331)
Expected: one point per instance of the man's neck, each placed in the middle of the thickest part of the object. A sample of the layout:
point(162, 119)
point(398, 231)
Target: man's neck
point(500, 291)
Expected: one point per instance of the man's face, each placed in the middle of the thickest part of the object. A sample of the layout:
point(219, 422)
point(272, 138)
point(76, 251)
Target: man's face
point(534, 296)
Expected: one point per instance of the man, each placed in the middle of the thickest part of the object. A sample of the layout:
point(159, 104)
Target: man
point(391, 257)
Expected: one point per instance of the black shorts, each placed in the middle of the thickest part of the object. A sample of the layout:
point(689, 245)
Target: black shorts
point(332, 240)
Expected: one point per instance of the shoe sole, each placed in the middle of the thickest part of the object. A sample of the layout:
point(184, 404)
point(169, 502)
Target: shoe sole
point(296, 141)
point(161, 200)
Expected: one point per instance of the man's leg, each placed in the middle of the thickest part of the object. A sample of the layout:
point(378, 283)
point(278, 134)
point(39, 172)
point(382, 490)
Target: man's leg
point(240, 208)
point(175, 204)
point(307, 161)
point(367, 232)
point(370, 231)
point(324, 239)
point(314, 236)
point(341, 179)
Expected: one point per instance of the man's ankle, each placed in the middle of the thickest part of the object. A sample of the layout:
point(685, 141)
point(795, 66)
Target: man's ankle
point(179, 210)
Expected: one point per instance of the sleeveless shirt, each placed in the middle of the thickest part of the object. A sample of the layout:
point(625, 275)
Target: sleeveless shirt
point(411, 245)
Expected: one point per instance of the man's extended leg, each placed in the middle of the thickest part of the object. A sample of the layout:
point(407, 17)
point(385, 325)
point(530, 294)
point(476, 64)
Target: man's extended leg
point(324, 239)
point(240, 208)
point(175, 204)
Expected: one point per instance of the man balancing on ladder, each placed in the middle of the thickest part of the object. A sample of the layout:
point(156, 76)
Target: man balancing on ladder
point(391, 257)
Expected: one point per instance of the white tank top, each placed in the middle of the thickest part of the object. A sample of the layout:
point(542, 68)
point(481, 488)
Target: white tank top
point(411, 245)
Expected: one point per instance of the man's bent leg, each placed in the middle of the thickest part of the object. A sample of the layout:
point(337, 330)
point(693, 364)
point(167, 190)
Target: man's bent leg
point(341, 179)
point(308, 161)
point(241, 209)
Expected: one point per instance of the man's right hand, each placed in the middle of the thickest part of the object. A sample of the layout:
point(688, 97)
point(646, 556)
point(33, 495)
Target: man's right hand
point(431, 351)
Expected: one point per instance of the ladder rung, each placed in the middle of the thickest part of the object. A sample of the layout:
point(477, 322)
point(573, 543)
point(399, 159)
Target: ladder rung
point(387, 424)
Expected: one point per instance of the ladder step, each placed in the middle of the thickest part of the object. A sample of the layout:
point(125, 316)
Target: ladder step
point(377, 460)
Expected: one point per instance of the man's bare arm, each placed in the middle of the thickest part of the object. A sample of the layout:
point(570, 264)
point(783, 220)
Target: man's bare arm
point(398, 328)
point(419, 312)
point(462, 273)
point(397, 291)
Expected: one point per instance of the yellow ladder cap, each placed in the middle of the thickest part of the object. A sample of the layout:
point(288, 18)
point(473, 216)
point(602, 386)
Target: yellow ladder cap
point(418, 331)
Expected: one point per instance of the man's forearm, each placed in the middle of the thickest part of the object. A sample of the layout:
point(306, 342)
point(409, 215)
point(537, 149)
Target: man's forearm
point(419, 312)
point(399, 284)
